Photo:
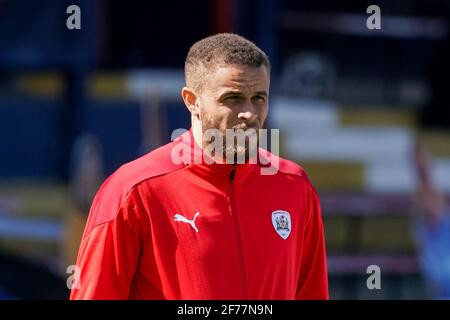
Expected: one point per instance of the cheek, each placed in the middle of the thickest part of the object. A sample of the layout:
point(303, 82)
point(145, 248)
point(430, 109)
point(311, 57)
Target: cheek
point(228, 118)
point(215, 116)
point(263, 114)
point(207, 110)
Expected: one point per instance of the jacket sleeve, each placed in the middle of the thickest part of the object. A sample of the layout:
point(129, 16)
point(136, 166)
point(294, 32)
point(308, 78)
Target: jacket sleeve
point(313, 276)
point(108, 253)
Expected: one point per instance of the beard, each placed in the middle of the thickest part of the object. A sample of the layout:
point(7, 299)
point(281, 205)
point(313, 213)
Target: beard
point(233, 144)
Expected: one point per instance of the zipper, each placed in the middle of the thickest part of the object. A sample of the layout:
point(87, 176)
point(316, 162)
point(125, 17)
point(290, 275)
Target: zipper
point(234, 215)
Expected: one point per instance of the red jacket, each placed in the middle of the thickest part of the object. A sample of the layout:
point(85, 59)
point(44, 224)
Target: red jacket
point(165, 229)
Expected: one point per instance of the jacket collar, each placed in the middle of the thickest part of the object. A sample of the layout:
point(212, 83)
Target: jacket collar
point(191, 154)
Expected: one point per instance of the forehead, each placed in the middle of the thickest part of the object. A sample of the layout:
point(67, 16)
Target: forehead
point(238, 77)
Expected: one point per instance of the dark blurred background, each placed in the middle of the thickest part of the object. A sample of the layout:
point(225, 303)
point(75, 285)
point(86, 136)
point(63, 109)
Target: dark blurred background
point(350, 103)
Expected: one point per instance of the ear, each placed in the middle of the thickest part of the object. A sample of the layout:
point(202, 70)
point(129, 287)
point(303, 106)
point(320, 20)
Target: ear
point(191, 101)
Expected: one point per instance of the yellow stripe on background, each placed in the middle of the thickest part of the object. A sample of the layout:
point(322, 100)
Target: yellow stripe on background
point(377, 116)
point(107, 86)
point(437, 142)
point(37, 199)
point(335, 175)
point(45, 84)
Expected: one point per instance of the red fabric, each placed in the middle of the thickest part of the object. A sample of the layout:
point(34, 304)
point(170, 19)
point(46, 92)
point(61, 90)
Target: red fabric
point(133, 248)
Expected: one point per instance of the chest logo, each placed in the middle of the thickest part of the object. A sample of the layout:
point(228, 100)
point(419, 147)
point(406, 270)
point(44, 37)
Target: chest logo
point(281, 221)
point(180, 218)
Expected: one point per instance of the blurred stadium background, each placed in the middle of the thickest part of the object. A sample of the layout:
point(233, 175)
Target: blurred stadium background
point(350, 103)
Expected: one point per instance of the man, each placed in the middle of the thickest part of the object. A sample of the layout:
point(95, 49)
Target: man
point(185, 222)
point(432, 227)
point(86, 175)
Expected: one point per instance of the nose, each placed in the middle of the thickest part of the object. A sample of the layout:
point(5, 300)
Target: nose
point(248, 114)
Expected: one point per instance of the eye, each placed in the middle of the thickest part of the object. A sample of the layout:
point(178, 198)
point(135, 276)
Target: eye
point(232, 98)
point(259, 99)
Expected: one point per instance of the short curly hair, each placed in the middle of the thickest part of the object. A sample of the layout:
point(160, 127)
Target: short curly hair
point(222, 48)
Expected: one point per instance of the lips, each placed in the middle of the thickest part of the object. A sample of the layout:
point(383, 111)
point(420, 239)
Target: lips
point(245, 129)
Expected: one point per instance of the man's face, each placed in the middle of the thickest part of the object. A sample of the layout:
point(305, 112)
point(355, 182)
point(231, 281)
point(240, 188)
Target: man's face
point(235, 97)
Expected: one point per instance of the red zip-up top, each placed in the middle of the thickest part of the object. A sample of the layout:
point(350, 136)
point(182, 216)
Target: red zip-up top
point(166, 227)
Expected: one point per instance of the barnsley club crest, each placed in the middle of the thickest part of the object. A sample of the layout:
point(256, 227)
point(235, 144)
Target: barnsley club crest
point(281, 221)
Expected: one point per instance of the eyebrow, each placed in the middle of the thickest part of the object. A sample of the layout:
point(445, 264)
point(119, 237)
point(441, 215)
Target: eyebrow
point(239, 93)
point(261, 93)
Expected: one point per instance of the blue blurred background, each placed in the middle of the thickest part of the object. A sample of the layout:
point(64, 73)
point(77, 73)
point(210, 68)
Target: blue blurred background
point(351, 104)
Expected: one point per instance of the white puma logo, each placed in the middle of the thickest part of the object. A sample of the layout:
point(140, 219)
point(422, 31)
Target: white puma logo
point(179, 217)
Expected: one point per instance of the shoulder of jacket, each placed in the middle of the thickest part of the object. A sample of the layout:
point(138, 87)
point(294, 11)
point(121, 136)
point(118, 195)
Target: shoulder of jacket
point(116, 188)
point(284, 166)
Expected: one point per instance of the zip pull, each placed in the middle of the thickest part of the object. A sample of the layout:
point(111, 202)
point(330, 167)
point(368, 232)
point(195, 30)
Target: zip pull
point(233, 171)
